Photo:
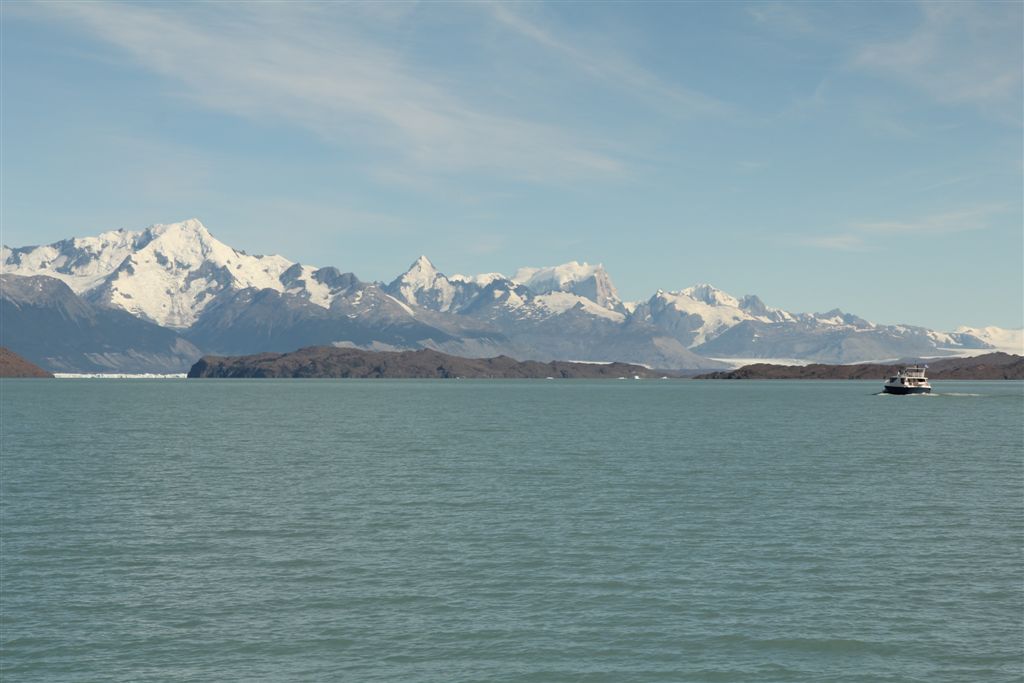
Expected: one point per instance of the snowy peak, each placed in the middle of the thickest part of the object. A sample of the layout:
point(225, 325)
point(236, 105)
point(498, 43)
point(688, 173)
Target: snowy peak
point(185, 245)
point(179, 271)
point(693, 315)
point(553, 278)
point(188, 229)
point(421, 274)
point(589, 281)
point(482, 280)
point(166, 273)
point(753, 305)
point(711, 295)
point(423, 285)
point(80, 262)
point(423, 263)
point(702, 312)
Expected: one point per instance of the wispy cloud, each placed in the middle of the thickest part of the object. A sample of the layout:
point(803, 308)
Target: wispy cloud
point(839, 242)
point(962, 220)
point(961, 53)
point(947, 182)
point(606, 65)
point(751, 166)
point(329, 220)
point(864, 235)
point(314, 66)
point(786, 16)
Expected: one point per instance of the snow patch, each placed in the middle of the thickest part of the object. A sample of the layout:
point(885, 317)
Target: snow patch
point(481, 280)
point(560, 302)
point(555, 277)
point(402, 304)
point(317, 292)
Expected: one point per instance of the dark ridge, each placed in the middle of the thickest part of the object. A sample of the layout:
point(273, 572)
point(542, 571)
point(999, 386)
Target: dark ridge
point(333, 362)
point(988, 366)
point(44, 321)
point(13, 365)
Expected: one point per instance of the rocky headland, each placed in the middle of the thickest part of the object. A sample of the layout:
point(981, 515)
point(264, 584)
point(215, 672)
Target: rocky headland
point(988, 366)
point(333, 362)
point(13, 365)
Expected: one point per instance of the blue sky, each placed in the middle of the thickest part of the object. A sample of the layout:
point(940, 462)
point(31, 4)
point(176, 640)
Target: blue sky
point(866, 156)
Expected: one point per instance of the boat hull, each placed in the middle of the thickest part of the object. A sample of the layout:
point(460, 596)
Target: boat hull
point(906, 390)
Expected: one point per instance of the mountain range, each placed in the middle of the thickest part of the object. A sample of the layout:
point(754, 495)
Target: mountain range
point(155, 300)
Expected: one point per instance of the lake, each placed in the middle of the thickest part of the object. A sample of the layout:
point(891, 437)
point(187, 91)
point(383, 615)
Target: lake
point(403, 530)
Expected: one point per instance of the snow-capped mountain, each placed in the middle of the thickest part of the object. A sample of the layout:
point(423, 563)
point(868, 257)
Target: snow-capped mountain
point(166, 273)
point(1007, 341)
point(422, 285)
point(532, 293)
point(699, 313)
point(170, 273)
point(49, 323)
point(550, 292)
point(582, 279)
point(179, 278)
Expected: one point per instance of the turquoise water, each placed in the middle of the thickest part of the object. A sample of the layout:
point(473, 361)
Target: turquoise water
point(510, 531)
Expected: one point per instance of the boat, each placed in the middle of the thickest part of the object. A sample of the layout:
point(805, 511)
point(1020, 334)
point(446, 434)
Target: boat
point(909, 380)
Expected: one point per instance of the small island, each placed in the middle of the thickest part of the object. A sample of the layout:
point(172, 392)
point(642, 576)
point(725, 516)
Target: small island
point(334, 362)
point(988, 366)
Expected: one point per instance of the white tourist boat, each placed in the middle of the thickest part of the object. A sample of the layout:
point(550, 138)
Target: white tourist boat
point(909, 380)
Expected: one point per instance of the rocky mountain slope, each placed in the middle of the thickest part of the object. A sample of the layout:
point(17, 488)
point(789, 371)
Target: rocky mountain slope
point(44, 321)
point(205, 295)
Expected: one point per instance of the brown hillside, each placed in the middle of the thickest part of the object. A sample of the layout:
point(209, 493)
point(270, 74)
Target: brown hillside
point(13, 365)
point(327, 362)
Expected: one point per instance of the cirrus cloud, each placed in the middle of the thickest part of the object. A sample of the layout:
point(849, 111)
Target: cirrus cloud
point(329, 69)
point(960, 53)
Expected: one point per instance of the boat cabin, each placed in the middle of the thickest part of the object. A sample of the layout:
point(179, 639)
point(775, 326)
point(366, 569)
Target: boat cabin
point(911, 376)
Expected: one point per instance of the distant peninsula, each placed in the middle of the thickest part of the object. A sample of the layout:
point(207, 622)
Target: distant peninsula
point(13, 365)
point(988, 366)
point(334, 362)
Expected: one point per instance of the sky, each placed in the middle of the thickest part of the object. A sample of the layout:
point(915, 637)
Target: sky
point(865, 156)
